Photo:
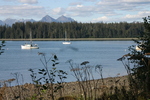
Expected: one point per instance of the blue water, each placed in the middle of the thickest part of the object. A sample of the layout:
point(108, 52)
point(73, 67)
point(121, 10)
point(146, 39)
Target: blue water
point(104, 53)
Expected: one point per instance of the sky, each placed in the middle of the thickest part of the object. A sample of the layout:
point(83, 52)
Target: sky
point(80, 10)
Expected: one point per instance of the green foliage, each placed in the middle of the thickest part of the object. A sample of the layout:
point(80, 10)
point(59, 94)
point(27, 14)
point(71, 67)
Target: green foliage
point(51, 79)
point(1, 47)
point(75, 30)
point(137, 64)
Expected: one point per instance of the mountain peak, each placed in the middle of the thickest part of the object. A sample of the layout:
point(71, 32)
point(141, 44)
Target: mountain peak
point(1, 22)
point(63, 16)
point(47, 18)
point(64, 19)
point(10, 21)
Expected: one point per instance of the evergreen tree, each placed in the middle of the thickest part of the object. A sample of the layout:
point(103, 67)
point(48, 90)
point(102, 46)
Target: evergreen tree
point(137, 64)
point(75, 30)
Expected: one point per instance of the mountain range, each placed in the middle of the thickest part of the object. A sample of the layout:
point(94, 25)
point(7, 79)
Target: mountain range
point(46, 18)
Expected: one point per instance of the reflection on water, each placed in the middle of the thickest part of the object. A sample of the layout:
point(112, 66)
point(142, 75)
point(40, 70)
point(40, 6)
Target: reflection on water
point(69, 48)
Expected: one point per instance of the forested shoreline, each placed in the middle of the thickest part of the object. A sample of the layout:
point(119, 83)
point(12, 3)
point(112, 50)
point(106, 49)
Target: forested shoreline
point(75, 30)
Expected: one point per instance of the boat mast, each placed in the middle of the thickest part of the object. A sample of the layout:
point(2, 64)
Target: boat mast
point(30, 38)
point(65, 36)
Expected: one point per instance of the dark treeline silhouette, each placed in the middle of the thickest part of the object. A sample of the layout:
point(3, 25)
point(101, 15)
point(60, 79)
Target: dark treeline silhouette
point(74, 30)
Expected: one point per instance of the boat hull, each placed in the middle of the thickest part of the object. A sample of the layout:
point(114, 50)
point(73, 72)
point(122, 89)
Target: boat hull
point(66, 43)
point(137, 48)
point(28, 46)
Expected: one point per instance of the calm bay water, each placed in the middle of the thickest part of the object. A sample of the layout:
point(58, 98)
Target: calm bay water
point(104, 53)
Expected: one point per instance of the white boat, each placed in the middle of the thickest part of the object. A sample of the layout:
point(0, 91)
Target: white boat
point(29, 45)
point(66, 41)
point(137, 48)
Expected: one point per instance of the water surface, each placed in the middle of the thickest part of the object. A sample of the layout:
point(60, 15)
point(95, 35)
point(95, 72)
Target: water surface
point(104, 53)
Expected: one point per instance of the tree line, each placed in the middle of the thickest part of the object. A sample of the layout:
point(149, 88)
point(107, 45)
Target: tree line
point(21, 30)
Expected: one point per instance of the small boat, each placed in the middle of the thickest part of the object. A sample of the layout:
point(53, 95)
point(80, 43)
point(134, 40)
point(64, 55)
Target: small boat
point(137, 48)
point(29, 45)
point(66, 41)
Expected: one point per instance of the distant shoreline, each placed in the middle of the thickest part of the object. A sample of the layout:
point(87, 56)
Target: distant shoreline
point(73, 39)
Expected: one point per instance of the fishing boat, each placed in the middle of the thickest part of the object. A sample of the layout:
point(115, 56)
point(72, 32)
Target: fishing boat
point(30, 45)
point(66, 40)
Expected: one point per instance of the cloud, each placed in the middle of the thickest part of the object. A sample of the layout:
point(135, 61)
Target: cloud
point(9, 0)
point(137, 16)
point(58, 11)
point(101, 19)
point(28, 1)
point(90, 0)
point(122, 10)
point(75, 3)
point(112, 6)
point(128, 17)
point(127, 5)
point(135, 1)
point(23, 1)
point(79, 5)
point(81, 10)
point(106, 9)
point(95, 10)
point(21, 11)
